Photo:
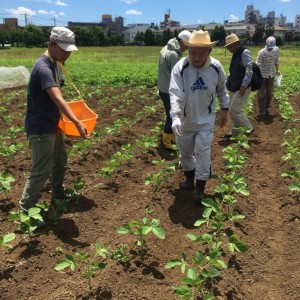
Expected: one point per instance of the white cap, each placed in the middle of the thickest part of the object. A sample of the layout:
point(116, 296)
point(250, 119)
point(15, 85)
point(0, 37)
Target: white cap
point(64, 37)
point(271, 42)
point(184, 35)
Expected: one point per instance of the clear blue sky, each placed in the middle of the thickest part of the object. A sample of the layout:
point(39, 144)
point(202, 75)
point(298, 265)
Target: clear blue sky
point(46, 12)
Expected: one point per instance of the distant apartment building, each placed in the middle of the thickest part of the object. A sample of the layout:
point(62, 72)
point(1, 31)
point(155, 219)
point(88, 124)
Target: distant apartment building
point(297, 21)
point(107, 24)
point(252, 16)
point(167, 22)
point(9, 24)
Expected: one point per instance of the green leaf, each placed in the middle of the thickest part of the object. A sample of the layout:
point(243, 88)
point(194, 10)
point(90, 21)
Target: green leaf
point(6, 238)
point(235, 244)
point(183, 291)
point(295, 187)
point(62, 265)
point(200, 222)
point(33, 211)
point(173, 263)
point(194, 237)
point(207, 212)
point(213, 272)
point(124, 229)
point(159, 232)
point(192, 274)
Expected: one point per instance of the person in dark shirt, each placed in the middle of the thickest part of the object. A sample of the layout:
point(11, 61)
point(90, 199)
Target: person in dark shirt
point(44, 105)
point(238, 83)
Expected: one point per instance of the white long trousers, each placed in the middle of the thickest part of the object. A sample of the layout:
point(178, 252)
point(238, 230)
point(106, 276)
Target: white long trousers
point(195, 152)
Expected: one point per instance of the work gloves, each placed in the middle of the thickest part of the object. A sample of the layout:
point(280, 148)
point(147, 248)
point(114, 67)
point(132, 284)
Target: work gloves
point(176, 126)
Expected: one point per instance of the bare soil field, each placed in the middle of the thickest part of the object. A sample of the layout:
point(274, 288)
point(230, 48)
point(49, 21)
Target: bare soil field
point(271, 229)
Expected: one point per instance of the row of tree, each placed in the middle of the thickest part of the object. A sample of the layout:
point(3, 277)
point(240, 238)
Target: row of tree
point(34, 36)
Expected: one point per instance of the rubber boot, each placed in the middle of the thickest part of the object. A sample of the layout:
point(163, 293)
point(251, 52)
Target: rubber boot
point(167, 140)
point(199, 191)
point(173, 139)
point(188, 184)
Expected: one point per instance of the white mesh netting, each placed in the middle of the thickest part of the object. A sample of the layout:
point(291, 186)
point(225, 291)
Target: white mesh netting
point(12, 77)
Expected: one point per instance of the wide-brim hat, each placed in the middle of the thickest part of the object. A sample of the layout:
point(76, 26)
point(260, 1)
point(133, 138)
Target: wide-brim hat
point(199, 38)
point(64, 38)
point(232, 38)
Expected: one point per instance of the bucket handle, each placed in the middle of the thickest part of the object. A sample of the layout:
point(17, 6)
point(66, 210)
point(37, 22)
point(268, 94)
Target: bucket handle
point(64, 70)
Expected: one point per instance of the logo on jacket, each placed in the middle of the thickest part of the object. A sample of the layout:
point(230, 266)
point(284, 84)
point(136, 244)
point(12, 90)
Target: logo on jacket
point(199, 85)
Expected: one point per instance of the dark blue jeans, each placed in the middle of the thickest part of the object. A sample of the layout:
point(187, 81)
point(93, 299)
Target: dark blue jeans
point(167, 105)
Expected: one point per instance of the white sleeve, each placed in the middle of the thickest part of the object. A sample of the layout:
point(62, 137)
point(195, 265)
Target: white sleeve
point(177, 95)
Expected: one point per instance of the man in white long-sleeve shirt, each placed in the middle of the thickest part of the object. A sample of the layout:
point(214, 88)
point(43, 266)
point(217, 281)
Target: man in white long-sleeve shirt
point(196, 81)
point(268, 61)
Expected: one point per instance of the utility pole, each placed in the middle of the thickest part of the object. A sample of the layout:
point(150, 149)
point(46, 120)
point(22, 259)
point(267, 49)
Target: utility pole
point(54, 21)
point(25, 19)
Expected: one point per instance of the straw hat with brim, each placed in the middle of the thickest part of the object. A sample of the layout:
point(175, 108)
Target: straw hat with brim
point(64, 38)
point(232, 38)
point(199, 38)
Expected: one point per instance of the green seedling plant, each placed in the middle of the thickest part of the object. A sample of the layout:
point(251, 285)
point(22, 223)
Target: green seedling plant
point(9, 150)
point(218, 215)
point(291, 142)
point(118, 159)
point(82, 147)
point(141, 228)
point(6, 239)
point(146, 142)
point(74, 192)
point(5, 181)
point(157, 179)
point(91, 264)
point(28, 221)
point(56, 209)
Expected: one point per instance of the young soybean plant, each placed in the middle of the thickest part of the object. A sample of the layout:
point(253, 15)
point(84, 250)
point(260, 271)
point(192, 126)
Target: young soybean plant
point(90, 265)
point(78, 184)
point(141, 229)
point(28, 221)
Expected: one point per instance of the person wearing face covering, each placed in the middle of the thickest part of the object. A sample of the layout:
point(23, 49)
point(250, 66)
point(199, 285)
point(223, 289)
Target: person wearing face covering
point(45, 103)
point(168, 57)
point(196, 82)
point(268, 61)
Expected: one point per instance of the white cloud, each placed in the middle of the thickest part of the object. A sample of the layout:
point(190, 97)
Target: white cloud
point(129, 1)
point(21, 11)
point(45, 12)
point(42, 12)
point(61, 13)
point(285, 0)
point(233, 18)
point(133, 12)
point(60, 3)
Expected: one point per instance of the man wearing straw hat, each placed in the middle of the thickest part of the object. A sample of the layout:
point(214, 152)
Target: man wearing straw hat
point(44, 104)
point(238, 83)
point(196, 81)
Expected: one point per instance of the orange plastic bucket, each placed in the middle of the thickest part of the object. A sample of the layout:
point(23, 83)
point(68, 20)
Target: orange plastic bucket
point(83, 114)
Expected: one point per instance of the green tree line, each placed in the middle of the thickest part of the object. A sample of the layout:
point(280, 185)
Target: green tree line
point(35, 36)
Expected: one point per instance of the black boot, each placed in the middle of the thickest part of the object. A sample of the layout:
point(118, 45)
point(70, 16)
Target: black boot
point(188, 184)
point(199, 192)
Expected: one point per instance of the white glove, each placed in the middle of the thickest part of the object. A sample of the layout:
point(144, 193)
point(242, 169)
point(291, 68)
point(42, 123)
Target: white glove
point(176, 126)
